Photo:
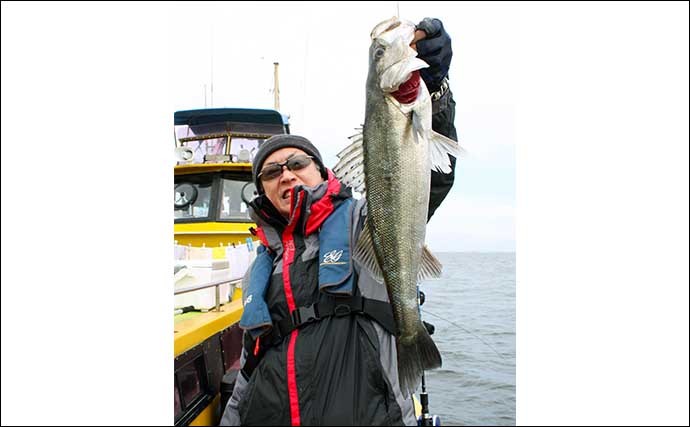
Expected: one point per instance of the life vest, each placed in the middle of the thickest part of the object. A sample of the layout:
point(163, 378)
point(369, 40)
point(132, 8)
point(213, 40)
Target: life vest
point(339, 295)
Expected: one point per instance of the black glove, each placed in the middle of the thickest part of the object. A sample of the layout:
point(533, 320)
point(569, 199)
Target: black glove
point(436, 51)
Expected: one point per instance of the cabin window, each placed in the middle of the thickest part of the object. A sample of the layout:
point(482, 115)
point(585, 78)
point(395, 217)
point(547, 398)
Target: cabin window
point(192, 199)
point(189, 379)
point(178, 403)
point(232, 207)
point(192, 392)
point(211, 146)
point(243, 149)
point(231, 342)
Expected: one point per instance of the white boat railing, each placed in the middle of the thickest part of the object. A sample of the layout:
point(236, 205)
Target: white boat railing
point(208, 285)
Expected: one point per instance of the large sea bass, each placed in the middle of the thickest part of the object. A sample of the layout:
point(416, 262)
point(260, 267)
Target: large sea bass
point(391, 162)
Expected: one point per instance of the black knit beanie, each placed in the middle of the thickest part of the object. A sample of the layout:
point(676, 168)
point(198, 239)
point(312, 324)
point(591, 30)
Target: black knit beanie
point(277, 142)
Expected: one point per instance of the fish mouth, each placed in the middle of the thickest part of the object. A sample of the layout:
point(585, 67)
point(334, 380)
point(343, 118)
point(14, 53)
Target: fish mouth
point(399, 72)
point(400, 59)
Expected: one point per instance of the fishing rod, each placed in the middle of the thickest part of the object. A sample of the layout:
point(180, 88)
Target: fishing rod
point(469, 332)
point(425, 418)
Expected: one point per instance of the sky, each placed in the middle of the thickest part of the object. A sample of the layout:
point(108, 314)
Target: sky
point(322, 50)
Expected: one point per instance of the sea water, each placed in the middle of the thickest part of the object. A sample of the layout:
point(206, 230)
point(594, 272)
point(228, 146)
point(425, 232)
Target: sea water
point(476, 385)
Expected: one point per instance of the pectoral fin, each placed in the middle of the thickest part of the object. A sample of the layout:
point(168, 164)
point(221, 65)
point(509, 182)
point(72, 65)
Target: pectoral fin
point(439, 149)
point(365, 255)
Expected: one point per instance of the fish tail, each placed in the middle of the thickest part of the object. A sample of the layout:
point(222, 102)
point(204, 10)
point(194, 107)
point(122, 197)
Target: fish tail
point(414, 357)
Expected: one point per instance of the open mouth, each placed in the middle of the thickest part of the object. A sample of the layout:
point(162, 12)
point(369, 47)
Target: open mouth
point(286, 194)
point(399, 72)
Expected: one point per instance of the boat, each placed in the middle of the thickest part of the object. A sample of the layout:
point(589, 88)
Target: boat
point(213, 248)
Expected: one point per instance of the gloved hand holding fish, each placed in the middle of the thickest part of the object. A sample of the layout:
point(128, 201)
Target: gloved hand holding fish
point(390, 162)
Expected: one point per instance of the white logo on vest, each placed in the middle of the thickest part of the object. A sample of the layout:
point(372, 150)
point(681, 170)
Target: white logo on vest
point(332, 257)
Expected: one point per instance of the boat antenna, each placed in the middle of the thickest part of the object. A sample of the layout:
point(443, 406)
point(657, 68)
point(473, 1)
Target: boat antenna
point(212, 65)
point(276, 88)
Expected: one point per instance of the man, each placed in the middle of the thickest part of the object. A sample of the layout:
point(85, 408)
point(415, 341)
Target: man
point(319, 343)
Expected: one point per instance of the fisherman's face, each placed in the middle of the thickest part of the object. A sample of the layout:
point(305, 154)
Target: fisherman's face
point(278, 189)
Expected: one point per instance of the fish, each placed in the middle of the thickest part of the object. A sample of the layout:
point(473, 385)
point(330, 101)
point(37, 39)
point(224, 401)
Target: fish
point(389, 161)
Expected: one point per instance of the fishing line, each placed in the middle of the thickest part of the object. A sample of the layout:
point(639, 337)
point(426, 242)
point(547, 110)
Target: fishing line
point(469, 332)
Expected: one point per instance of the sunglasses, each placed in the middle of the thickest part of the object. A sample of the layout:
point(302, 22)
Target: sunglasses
point(274, 170)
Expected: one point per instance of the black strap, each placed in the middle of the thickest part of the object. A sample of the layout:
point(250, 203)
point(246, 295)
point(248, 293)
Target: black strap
point(328, 306)
point(334, 306)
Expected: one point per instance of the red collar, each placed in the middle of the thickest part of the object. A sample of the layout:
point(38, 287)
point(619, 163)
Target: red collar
point(320, 209)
